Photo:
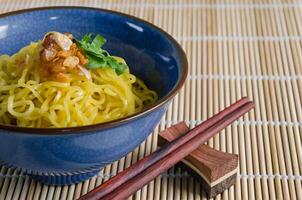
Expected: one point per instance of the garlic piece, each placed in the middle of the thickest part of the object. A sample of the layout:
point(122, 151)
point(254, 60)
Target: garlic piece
point(71, 61)
point(48, 54)
point(62, 40)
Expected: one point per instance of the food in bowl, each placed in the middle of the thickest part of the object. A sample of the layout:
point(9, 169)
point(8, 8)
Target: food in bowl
point(68, 155)
point(64, 82)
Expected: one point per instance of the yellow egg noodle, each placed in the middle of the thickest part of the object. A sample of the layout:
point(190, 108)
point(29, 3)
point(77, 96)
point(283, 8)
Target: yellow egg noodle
point(27, 101)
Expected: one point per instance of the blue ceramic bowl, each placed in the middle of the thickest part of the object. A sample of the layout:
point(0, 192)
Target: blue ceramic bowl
point(69, 155)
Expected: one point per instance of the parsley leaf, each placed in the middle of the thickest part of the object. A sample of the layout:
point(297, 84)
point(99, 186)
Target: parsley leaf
point(98, 57)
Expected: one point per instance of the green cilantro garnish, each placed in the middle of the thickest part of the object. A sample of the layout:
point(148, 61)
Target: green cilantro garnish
point(98, 57)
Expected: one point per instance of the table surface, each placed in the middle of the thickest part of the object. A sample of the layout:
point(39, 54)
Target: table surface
point(235, 48)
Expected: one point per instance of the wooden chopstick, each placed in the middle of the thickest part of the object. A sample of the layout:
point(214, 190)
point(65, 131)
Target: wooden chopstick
point(139, 174)
point(131, 171)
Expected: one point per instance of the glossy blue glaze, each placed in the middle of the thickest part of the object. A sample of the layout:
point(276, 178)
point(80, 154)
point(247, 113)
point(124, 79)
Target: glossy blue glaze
point(74, 153)
point(69, 158)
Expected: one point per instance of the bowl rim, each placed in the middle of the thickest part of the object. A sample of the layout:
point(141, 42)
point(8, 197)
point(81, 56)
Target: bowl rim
point(113, 123)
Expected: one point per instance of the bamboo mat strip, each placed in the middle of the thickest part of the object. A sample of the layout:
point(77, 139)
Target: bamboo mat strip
point(235, 48)
point(170, 5)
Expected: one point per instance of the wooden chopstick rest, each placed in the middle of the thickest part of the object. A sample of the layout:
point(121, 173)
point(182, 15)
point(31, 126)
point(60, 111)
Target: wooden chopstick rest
point(127, 182)
point(216, 170)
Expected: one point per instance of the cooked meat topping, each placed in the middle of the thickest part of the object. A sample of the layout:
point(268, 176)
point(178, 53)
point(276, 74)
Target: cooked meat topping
point(62, 40)
point(82, 58)
point(48, 54)
point(69, 35)
point(71, 62)
point(61, 56)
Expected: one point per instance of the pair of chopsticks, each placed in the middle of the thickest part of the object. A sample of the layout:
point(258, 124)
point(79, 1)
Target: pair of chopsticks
point(145, 170)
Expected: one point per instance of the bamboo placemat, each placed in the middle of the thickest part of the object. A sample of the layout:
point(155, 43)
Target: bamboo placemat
point(235, 48)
